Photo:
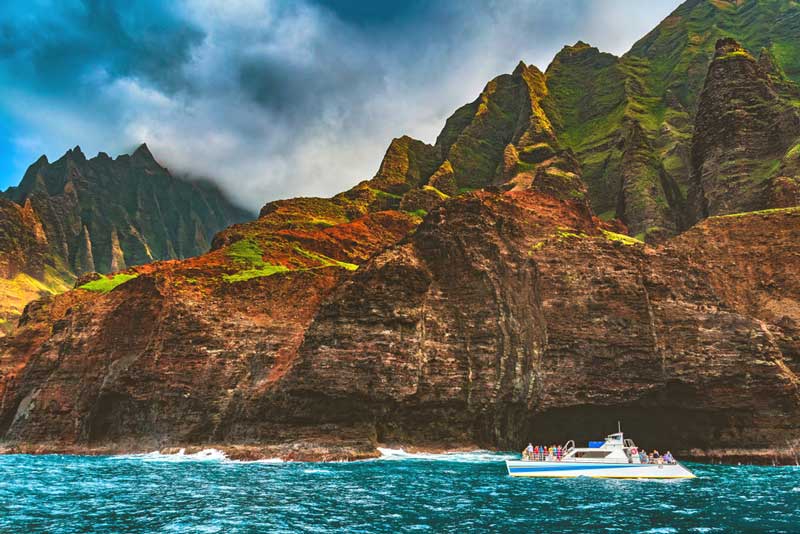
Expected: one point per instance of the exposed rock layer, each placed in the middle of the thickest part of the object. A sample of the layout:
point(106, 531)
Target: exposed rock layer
point(502, 316)
point(743, 129)
point(411, 310)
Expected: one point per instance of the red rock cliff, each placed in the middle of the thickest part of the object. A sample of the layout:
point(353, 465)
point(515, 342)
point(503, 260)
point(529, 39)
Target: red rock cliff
point(502, 316)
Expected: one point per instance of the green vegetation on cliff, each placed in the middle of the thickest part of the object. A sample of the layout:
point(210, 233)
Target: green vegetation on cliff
point(622, 238)
point(795, 209)
point(630, 120)
point(248, 254)
point(104, 284)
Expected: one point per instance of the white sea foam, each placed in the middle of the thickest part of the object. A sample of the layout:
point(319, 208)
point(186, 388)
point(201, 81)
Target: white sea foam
point(263, 461)
point(478, 456)
point(215, 455)
point(205, 455)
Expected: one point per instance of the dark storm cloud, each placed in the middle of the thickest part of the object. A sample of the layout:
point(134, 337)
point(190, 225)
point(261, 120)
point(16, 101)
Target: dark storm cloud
point(55, 42)
point(273, 98)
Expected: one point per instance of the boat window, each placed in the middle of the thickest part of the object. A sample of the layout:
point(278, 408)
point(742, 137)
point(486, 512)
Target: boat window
point(592, 454)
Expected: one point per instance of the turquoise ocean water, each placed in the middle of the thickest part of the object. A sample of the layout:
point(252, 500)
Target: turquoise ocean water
point(398, 493)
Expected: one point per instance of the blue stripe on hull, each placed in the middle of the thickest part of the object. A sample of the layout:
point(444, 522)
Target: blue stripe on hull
point(568, 468)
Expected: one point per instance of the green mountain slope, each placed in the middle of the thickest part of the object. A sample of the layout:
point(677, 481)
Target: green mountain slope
point(630, 120)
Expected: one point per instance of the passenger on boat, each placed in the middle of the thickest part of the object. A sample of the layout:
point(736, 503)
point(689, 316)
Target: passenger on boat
point(643, 456)
point(668, 458)
point(559, 453)
point(527, 454)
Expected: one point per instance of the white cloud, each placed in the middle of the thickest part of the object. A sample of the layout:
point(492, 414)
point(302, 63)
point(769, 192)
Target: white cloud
point(284, 99)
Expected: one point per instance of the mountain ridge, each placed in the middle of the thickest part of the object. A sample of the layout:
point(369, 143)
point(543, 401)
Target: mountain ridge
point(103, 214)
point(468, 294)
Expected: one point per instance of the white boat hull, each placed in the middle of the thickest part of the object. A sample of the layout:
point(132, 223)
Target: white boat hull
point(520, 468)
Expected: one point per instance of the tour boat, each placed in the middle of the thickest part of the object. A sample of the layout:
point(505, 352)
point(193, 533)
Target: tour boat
point(615, 457)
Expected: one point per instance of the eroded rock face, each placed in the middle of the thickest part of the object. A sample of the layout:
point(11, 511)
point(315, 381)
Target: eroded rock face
point(502, 316)
point(28, 269)
point(104, 214)
point(511, 316)
point(168, 356)
point(78, 215)
point(744, 127)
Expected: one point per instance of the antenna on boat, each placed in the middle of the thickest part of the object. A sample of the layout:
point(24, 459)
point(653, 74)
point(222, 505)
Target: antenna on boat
point(619, 427)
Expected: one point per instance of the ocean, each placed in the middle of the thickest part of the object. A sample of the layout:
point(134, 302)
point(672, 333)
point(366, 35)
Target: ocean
point(465, 492)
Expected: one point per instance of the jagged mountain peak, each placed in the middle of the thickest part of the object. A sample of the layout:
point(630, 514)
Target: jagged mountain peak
point(520, 68)
point(74, 154)
point(143, 157)
point(142, 151)
point(42, 160)
point(579, 46)
point(581, 53)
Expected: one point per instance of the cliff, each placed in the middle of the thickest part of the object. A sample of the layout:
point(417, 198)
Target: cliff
point(27, 268)
point(477, 291)
point(101, 214)
point(502, 316)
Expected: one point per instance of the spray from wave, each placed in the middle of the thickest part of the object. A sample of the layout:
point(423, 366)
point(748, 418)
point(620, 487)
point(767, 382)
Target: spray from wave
point(205, 455)
point(478, 456)
point(387, 454)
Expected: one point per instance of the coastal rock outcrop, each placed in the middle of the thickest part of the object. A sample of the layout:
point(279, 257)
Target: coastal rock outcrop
point(502, 315)
point(516, 315)
point(474, 292)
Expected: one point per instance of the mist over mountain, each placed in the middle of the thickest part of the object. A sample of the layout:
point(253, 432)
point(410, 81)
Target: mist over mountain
point(80, 215)
point(269, 99)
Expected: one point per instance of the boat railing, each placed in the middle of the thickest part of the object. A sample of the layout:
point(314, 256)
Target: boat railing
point(568, 446)
point(579, 460)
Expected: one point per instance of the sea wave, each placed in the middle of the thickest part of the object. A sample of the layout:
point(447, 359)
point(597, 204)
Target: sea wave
point(477, 456)
point(205, 455)
point(387, 454)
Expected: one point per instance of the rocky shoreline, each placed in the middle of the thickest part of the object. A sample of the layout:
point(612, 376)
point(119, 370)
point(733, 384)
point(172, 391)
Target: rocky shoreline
point(503, 316)
point(306, 451)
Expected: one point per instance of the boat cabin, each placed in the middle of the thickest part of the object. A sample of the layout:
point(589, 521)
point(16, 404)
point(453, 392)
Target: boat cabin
point(614, 449)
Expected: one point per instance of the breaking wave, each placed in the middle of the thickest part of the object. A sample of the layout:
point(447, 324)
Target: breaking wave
point(387, 454)
point(479, 456)
point(205, 455)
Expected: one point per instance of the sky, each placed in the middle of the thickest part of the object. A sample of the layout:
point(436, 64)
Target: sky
point(270, 99)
